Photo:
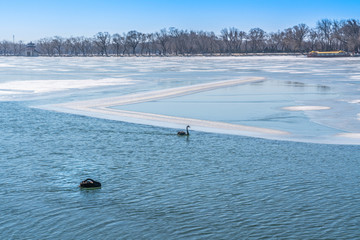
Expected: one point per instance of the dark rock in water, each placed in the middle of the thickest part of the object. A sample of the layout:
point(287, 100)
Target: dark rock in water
point(89, 183)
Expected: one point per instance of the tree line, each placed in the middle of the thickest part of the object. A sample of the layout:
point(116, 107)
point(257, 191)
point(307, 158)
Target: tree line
point(328, 35)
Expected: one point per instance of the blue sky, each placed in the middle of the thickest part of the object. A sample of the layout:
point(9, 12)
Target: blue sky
point(31, 20)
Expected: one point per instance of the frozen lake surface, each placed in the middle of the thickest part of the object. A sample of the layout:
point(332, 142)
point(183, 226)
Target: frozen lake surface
point(284, 100)
point(156, 185)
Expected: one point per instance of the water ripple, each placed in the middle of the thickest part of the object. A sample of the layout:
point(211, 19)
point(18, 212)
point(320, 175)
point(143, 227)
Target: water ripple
point(156, 185)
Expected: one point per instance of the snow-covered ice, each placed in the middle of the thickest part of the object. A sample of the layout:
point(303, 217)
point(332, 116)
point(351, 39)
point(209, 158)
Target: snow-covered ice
point(322, 93)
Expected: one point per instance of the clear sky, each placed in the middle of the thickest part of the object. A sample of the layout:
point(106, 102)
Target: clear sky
point(31, 20)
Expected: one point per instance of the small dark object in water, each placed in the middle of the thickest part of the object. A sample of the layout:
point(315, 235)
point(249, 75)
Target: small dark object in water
point(182, 133)
point(89, 183)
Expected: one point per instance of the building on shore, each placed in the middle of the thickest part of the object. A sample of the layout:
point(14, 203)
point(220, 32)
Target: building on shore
point(30, 50)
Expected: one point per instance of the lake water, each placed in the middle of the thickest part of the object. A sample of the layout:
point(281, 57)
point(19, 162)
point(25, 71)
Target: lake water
point(156, 185)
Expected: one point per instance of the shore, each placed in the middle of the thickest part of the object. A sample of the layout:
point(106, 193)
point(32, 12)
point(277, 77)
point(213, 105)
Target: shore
point(167, 55)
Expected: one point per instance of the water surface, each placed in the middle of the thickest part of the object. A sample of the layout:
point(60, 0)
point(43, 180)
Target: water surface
point(156, 185)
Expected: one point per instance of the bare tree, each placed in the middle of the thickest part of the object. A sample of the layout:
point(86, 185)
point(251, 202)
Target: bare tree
point(74, 45)
point(149, 40)
point(69, 47)
point(348, 33)
point(5, 47)
point(213, 43)
point(177, 38)
point(257, 39)
point(300, 31)
point(58, 42)
point(163, 39)
point(325, 32)
point(153, 43)
point(276, 41)
point(45, 46)
point(352, 31)
point(19, 48)
point(289, 40)
point(125, 44)
point(225, 35)
point(88, 45)
point(233, 39)
point(102, 40)
point(116, 41)
point(143, 42)
point(133, 39)
point(313, 39)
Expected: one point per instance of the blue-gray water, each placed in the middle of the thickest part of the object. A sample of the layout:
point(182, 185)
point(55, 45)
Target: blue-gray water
point(157, 185)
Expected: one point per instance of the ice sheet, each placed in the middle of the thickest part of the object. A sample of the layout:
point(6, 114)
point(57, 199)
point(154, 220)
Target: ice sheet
point(330, 83)
point(306, 108)
point(48, 86)
point(101, 108)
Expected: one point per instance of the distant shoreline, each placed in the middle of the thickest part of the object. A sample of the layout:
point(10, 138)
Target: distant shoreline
point(183, 56)
point(170, 55)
